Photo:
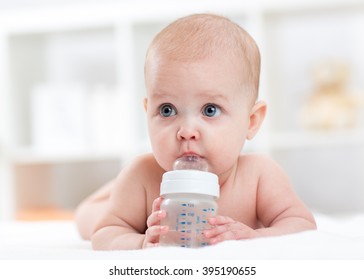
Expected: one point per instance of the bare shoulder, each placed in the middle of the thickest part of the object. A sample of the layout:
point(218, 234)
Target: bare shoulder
point(265, 172)
point(134, 190)
point(140, 172)
point(259, 164)
point(145, 163)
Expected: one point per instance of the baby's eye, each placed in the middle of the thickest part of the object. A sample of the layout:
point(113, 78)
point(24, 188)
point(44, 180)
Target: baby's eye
point(167, 110)
point(211, 110)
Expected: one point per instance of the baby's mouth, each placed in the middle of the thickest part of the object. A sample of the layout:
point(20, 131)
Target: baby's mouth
point(190, 161)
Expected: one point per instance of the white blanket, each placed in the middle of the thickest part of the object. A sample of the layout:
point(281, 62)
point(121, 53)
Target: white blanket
point(336, 238)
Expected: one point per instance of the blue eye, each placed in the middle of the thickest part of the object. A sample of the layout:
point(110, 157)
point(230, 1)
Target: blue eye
point(167, 110)
point(211, 110)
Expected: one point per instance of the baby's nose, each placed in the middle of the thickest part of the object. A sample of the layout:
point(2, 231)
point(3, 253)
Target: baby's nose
point(188, 133)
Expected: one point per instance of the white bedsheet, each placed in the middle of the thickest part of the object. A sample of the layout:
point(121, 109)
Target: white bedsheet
point(336, 238)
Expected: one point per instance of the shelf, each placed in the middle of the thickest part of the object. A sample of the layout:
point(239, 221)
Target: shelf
point(29, 155)
point(32, 156)
point(286, 6)
point(79, 16)
point(318, 139)
point(44, 213)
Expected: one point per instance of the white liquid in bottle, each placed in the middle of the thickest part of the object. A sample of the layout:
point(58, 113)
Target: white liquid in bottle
point(190, 194)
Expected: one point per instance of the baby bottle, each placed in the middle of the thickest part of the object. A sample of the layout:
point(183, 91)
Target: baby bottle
point(190, 194)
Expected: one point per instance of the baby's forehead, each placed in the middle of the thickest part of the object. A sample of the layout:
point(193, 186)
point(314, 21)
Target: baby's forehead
point(206, 79)
point(215, 65)
point(193, 51)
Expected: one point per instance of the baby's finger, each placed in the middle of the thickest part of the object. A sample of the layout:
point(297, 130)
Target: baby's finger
point(229, 231)
point(222, 224)
point(237, 232)
point(155, 217)
point(220, 220)
point(227, 235)
point(153, 233)
point(217, 230)
point(157, 204)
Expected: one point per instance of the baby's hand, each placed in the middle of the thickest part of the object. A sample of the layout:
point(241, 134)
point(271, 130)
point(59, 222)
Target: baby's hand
point(153, 222)
point(225, 228)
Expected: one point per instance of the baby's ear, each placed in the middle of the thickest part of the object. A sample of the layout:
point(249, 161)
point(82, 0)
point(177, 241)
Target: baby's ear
point(145, 103)
point(257, 115)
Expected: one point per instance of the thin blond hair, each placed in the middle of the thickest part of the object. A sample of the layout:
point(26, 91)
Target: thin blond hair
point(201, 36)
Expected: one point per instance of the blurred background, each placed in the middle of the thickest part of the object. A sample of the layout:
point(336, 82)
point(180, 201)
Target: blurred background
point(71, 91)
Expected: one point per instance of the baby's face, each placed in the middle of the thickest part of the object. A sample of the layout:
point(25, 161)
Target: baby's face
point(196, 108)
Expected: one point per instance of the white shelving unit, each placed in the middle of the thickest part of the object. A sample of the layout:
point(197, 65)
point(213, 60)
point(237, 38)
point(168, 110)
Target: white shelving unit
point(93, 54)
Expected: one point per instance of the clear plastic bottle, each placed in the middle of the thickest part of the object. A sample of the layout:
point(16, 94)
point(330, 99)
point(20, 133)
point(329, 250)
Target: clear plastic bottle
point(190, 194)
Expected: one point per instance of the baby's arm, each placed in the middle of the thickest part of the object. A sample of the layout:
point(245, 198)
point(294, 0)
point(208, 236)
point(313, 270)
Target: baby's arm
point(89, 212)
point(278, 209)
point(126, 223)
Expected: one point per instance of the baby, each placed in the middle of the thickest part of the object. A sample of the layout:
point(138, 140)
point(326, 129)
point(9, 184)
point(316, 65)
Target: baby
point(201, 76)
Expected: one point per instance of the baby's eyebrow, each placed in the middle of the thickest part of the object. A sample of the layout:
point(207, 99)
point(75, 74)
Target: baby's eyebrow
point(213, 96)
point(162, 95)
point(208, 96)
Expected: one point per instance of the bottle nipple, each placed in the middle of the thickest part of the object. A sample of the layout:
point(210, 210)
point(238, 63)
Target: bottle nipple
point(189, 162)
